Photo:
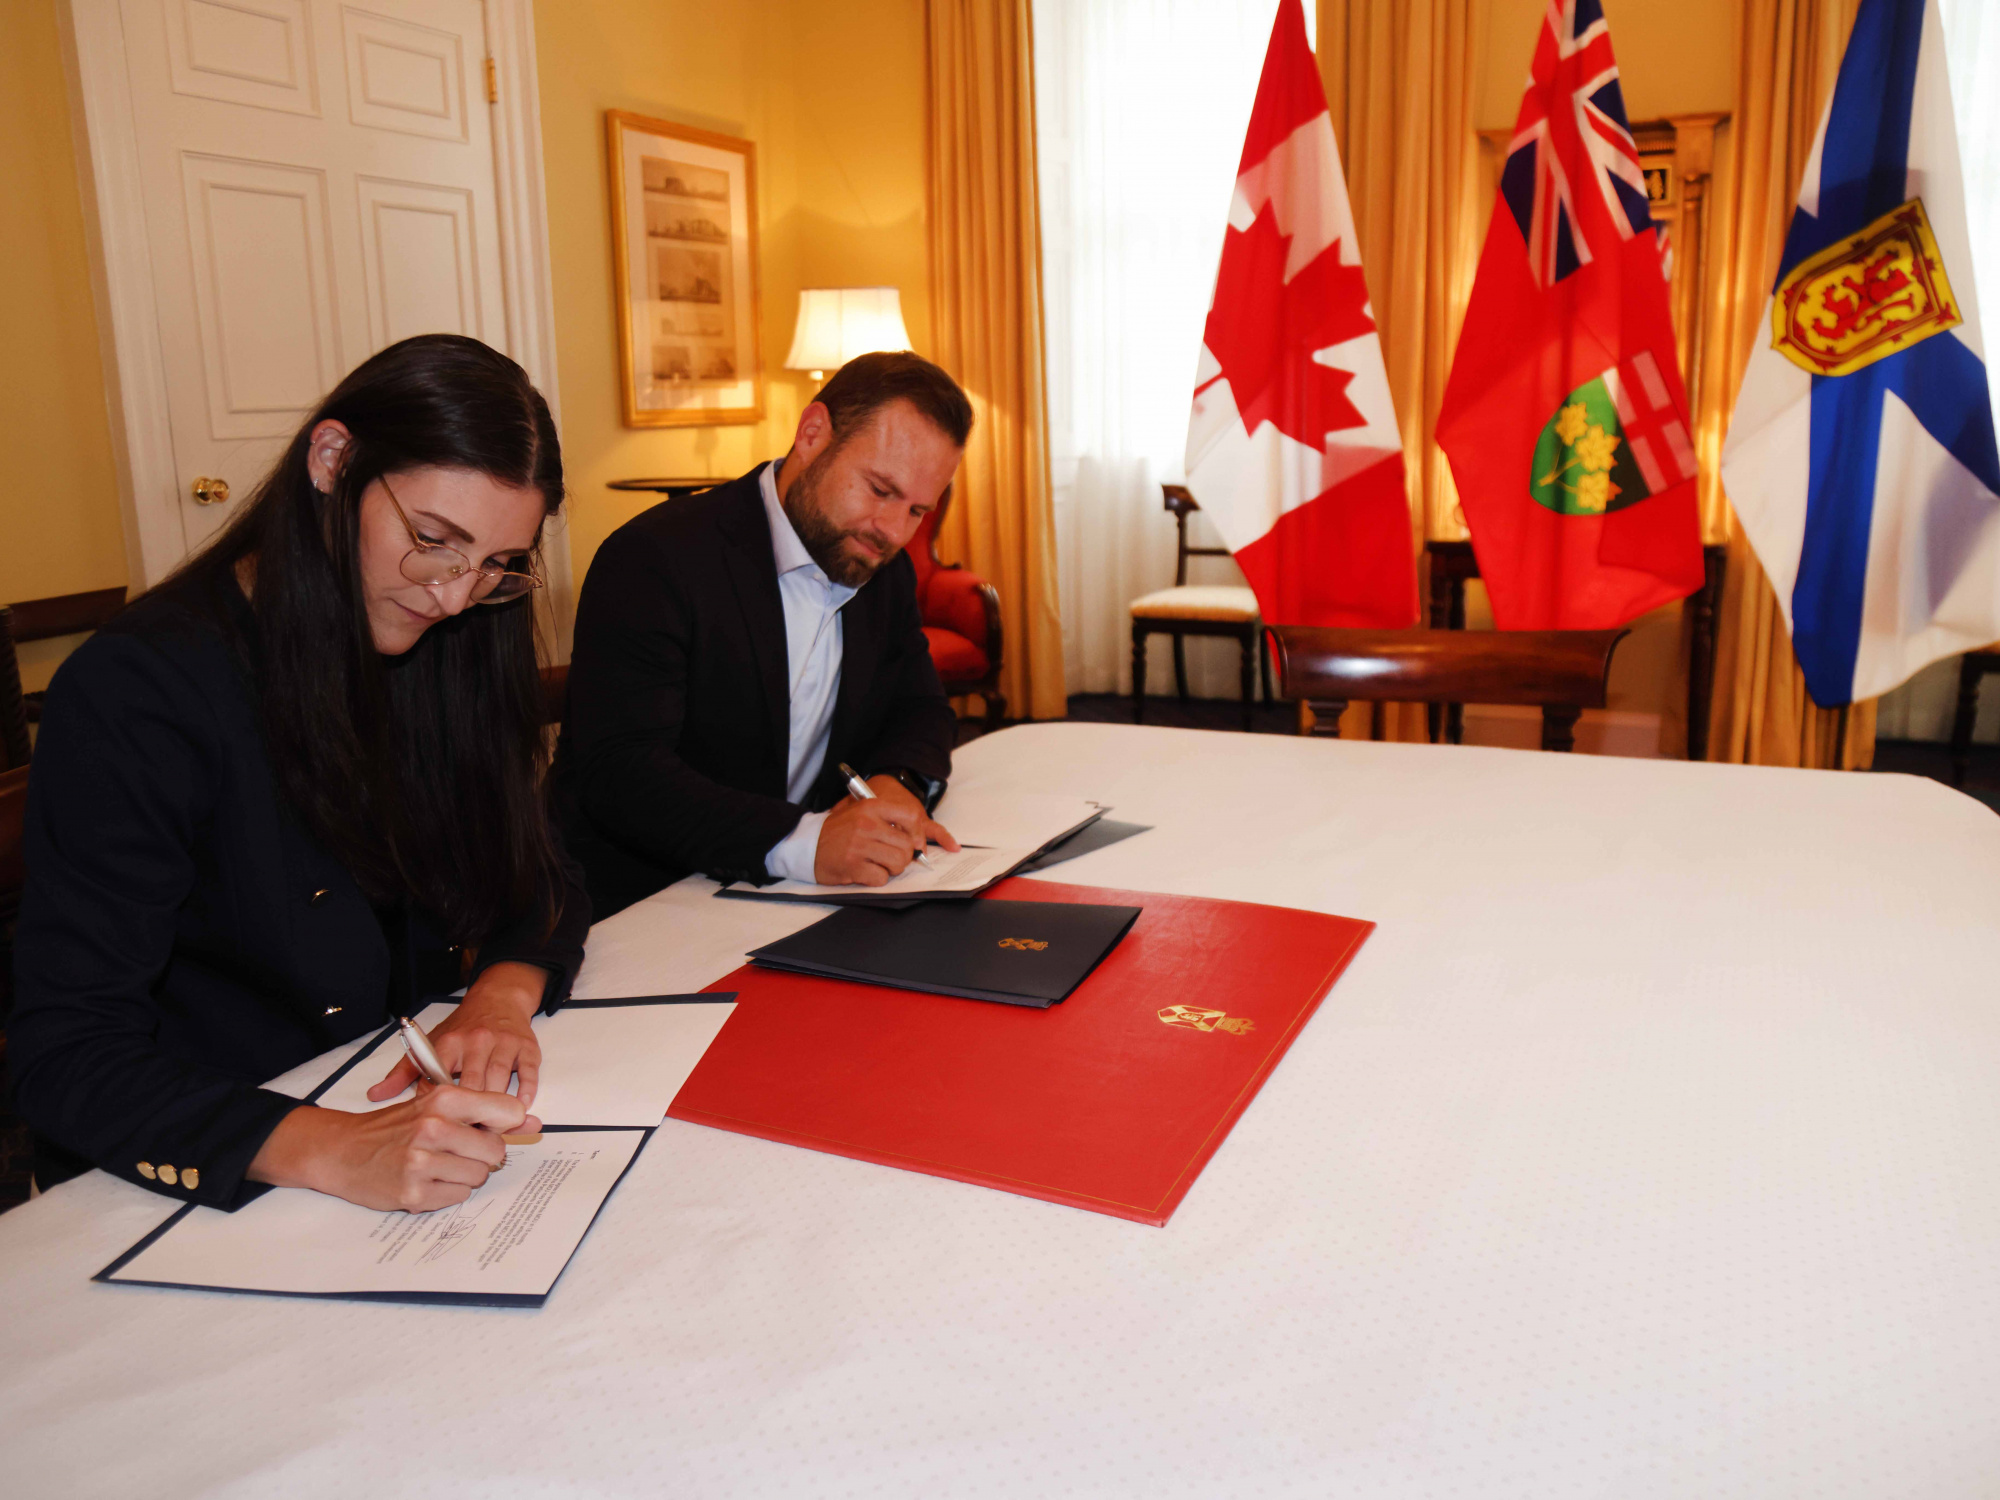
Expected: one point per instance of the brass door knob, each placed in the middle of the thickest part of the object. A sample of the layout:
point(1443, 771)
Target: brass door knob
point(210, 491)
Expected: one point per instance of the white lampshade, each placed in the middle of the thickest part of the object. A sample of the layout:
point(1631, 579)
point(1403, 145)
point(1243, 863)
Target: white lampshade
point(838, 322)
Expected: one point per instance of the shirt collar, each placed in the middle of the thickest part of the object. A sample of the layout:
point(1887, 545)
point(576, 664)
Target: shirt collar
point(786, 548)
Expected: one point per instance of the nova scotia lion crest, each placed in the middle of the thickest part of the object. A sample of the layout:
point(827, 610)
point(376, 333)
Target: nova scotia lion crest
point(1865, 297)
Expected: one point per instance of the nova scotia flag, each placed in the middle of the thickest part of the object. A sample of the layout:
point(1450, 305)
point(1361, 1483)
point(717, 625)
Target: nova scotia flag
point(1861, 456)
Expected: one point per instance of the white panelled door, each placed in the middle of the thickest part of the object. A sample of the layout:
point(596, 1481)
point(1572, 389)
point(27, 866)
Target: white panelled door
point(318, 181)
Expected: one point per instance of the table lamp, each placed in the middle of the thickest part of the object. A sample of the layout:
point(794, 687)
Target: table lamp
point(836, 323)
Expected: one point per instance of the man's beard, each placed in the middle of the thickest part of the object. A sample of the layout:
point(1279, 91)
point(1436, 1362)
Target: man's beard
point(821, 537)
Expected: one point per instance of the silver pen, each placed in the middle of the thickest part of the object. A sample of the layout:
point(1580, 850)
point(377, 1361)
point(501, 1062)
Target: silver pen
point(421, 1053)
point(862, 792)
point(425, 1057)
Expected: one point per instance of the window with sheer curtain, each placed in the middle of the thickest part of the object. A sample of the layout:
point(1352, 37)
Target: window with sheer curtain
point(1922, 709)
point(1972, 51)
point(1141, 106)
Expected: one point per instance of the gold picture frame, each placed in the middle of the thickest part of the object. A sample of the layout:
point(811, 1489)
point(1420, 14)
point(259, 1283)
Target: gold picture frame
point(684, 214)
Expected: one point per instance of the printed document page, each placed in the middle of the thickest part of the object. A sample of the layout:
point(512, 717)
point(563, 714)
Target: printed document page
point(968, 870)
point(993, 821)
point(511, 1238)
point(601, 1065)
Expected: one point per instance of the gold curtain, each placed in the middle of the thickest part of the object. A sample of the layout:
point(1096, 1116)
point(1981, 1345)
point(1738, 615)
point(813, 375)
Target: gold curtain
point(986, 316)
point(1401, 80)
point(1789, 55)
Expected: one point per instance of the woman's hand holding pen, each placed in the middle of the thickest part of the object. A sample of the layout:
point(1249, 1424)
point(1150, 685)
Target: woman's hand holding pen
point(428, 1152)
point(438, 1148)
point(487, 1038)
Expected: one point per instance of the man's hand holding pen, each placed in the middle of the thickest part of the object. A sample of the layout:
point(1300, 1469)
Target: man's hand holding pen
point(870, 841)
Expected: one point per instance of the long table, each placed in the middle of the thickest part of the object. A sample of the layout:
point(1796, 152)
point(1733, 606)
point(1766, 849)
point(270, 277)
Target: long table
point(1651, 1147)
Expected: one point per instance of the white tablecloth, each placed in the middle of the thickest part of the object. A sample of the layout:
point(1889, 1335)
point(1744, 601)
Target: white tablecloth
point(1651, 1147)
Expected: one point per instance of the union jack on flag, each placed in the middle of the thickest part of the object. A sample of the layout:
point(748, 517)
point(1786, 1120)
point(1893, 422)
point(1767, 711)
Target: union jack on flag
point(1572, 127)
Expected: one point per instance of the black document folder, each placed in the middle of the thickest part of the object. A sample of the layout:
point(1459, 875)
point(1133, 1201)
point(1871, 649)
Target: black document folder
point(1016, 952)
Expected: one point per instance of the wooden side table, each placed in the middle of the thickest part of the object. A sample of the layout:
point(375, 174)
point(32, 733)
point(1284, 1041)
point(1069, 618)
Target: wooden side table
point(1453, 564)
point(668, 487)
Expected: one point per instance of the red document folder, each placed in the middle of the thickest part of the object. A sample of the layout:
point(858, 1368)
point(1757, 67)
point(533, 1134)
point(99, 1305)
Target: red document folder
point(1113, 1100)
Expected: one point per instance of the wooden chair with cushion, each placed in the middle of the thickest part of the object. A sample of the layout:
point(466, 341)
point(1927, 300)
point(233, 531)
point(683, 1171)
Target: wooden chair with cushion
point(1562, 672)
point(1195, 609)
point(1972, 668)
point(961, 614)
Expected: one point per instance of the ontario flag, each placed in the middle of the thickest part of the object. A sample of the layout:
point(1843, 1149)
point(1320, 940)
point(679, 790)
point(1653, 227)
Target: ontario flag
point(1293, 450)
point(1565, 419)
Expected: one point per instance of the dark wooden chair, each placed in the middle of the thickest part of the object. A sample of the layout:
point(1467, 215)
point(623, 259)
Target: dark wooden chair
point(13, 708)
point(1562, 672)
point(63, 614)
point(1185, 610)
point(1452, 565)
point(1972, 669)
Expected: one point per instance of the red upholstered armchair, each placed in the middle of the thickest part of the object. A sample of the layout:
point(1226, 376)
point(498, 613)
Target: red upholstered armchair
point(961, 614)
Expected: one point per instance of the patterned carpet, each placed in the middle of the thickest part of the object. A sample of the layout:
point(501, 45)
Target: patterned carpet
point(1909, 757)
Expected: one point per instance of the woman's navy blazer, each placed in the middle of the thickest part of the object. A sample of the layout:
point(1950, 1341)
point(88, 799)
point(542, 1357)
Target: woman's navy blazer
point(182, 937)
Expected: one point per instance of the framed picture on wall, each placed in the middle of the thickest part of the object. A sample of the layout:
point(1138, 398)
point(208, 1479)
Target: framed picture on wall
point(684, 237)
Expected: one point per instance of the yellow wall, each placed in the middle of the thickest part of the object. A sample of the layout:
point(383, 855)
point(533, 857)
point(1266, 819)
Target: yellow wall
point(59, 502)
point(1675, 57)
point(834, 98)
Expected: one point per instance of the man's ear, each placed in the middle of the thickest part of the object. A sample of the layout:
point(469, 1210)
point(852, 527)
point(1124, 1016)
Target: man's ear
point(815, 432)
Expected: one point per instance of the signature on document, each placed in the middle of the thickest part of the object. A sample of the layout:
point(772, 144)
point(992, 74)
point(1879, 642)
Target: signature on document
point(454, 1227)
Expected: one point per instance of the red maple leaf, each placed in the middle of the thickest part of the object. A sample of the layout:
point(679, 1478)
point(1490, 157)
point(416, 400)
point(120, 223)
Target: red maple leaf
point(1263, 330)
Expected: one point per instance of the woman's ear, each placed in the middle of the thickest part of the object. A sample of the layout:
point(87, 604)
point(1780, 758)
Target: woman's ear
point(326, 453)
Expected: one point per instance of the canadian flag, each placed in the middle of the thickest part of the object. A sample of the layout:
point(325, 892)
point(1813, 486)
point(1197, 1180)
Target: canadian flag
point(1293, 450)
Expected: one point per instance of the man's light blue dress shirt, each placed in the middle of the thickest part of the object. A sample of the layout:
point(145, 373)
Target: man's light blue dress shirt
point(812, 659)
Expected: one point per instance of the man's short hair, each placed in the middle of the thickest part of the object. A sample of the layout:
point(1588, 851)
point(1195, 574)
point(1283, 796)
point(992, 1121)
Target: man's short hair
point(869, 382)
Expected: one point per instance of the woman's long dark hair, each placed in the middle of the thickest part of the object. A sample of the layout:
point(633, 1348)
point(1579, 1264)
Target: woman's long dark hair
point(423, 772)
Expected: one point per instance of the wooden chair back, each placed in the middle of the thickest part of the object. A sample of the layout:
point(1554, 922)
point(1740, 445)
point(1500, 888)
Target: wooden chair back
point(1180, 502)
point(13, 709)
point(1562, 672)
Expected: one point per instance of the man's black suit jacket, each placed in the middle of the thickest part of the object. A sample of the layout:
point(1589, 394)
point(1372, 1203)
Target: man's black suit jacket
point(677, 732)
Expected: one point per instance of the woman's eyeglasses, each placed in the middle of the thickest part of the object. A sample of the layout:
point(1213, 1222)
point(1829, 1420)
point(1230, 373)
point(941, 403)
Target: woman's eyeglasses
point(433, 565)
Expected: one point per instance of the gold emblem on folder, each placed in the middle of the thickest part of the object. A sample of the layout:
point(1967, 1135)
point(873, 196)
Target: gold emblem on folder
point(1023, 944)
point(1194, 1017)
point(1865, 297)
